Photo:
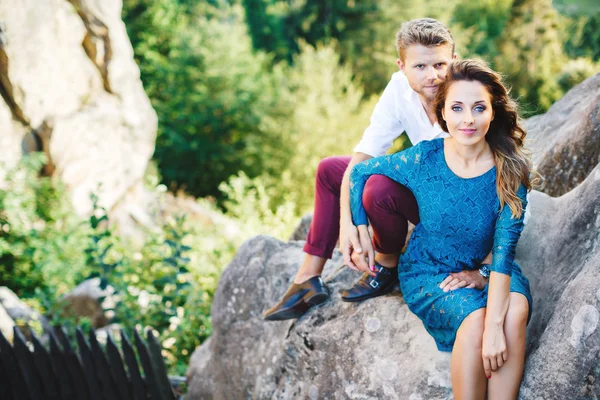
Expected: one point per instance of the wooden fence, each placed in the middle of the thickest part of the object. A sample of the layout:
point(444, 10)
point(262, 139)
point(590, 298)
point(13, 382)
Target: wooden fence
point(30, 371)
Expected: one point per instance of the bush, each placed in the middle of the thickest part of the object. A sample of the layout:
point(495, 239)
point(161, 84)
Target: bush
point(167, 283)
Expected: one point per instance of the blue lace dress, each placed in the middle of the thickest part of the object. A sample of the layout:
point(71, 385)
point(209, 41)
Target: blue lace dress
point(460, 224)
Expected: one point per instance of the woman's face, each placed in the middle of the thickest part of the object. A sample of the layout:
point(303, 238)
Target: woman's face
point(468, 111)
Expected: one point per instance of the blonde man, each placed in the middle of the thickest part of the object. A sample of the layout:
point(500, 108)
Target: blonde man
point(425, 48)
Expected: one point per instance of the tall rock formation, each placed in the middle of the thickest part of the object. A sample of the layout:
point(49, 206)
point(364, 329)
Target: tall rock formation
point(70, 87)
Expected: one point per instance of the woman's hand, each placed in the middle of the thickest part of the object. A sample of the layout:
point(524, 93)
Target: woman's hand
point(466, 278)
point(356, 246)
point(349, 243)
point(493, 351)
point(364, 260)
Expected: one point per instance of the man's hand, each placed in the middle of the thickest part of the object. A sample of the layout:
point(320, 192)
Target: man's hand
point(466, 278)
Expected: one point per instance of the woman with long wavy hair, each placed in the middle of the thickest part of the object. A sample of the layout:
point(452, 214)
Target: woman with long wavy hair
point(472, 193)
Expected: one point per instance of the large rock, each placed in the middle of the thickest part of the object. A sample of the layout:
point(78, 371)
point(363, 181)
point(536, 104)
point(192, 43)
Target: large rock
point(377, 348)
point(6, 324)
point(560, 250)
point(71, 88)
point(88, 300)
point(339, 350)
point(23, 316)
point(301, 230)
point(566, 140)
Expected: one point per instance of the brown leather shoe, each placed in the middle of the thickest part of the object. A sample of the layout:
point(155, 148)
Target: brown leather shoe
point(298, 299)
point(368, 287)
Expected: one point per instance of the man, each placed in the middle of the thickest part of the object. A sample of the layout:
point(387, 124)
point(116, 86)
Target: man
point(425, 48)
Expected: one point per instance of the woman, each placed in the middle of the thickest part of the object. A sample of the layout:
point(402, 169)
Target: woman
point(471, 189)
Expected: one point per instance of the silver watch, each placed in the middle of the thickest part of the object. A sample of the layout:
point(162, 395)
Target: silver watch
point(485, 270)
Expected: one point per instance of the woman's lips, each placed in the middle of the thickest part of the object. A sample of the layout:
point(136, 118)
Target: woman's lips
point(468, 132)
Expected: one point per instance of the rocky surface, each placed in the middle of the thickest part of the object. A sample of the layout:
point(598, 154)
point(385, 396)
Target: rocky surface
point(71, 88)
point(6, 324)
point(23, 316)
point(89, 300)
point(302, 229)
point(566, 140)
point(377, 349)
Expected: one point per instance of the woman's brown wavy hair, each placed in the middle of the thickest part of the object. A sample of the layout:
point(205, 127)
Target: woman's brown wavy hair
point(505, 136)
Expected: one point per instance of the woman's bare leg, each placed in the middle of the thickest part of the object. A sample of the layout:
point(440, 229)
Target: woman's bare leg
point(466, 368)
point(505, 382)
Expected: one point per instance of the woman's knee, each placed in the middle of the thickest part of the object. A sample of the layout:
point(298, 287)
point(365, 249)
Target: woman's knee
point(518, 312)
point(470, 332)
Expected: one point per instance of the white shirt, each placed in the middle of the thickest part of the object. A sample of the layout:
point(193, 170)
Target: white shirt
point(399, 109)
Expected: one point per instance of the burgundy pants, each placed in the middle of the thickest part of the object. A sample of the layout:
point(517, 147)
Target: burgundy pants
point(389, 206)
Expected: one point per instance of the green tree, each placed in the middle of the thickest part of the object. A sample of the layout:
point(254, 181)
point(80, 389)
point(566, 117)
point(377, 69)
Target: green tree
point(531, 54)
point(477, 25)
point(583, 37)
point(213, 93)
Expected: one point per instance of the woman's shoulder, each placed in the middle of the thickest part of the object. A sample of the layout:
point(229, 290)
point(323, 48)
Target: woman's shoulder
point(427, 148)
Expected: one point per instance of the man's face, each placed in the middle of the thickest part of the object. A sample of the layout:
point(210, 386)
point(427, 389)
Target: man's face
point(425, 68)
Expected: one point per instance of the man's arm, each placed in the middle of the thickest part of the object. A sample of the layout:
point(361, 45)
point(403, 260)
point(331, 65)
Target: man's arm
point(350, 240)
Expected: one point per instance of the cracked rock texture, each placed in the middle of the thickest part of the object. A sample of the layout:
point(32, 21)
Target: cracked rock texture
point(378, 349)
point(566, 140)
point(70, 87)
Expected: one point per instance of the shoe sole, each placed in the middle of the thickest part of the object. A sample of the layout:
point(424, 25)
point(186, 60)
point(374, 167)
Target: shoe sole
point(292, 313)
point(385, 291)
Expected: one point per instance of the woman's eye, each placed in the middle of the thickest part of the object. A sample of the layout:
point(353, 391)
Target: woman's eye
point(420, 66)
point(479, 108)
point(456, 108)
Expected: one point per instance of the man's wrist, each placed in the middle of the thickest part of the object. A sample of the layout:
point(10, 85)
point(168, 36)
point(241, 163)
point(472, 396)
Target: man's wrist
point(484, 271)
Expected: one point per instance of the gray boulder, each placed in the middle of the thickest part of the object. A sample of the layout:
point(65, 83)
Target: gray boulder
point(338, 350)
point(6, 324)
point(89, 300)
point(566, 140)
point(23, 316)
point(302, 229)
point(377, 349)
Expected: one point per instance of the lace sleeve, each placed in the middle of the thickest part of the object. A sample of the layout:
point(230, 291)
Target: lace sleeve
point(507, 234)
point(401, 167)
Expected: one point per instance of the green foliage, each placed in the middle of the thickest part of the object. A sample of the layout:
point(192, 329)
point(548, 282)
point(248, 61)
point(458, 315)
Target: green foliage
point(477, 25)
point(167, 282)
point(576, 71)
point(531, 54)
point(328, 119)
point(39, 233)
point(582, 38)
point(212, 94)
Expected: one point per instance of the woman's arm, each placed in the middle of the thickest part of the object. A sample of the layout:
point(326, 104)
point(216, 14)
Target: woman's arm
point(401, 167)
point(507, 233)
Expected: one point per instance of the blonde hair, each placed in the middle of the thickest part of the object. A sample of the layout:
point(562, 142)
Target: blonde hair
point(505, 136)
point(425, 31)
